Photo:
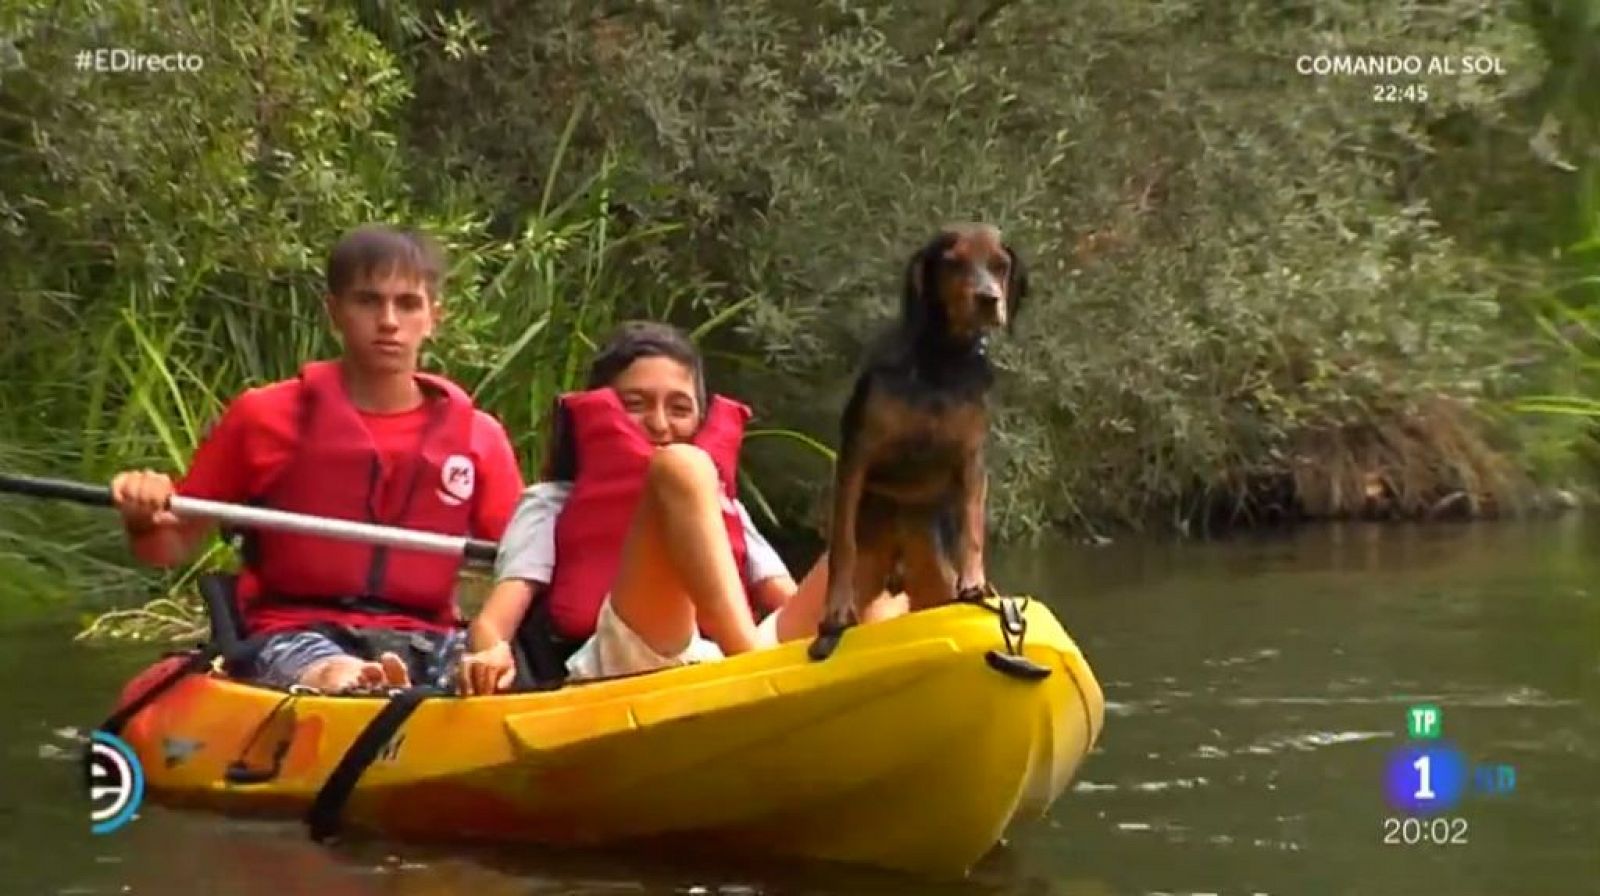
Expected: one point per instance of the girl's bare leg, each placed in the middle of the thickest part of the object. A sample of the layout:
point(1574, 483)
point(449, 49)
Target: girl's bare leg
point(677, 572)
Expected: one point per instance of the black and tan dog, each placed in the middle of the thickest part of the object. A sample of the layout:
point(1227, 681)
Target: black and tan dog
point(910, 487)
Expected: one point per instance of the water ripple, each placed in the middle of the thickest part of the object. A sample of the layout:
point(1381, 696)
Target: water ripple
point(1248, 659)
point(1516, 697)
point(1141, 786)
point(1179, 783)
point(1302, 743)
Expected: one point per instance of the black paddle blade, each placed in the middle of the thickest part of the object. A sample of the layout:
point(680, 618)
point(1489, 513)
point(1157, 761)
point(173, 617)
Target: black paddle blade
point(35, 487)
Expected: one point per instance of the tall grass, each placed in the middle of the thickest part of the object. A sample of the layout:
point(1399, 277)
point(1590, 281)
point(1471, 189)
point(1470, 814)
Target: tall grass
point(1568, 315)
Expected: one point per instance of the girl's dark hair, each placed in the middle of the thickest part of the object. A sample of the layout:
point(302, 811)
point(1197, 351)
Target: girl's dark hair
point(631, 341)
point(637, 339)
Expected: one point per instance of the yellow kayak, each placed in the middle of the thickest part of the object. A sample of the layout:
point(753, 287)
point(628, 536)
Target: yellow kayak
point(913, 747)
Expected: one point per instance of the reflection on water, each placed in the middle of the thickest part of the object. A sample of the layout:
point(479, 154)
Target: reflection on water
point(1254, 687)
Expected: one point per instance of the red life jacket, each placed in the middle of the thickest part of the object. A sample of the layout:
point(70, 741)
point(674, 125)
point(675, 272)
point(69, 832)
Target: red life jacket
point(612, 456)
point(336, 472)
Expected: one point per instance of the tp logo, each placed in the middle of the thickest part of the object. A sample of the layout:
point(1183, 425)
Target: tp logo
point(116, 783)
point(1423, 722)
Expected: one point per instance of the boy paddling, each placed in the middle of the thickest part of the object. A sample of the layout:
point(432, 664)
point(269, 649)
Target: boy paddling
point(365, 437)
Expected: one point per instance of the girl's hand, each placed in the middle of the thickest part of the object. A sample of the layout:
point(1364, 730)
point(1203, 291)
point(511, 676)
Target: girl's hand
point(488, 671)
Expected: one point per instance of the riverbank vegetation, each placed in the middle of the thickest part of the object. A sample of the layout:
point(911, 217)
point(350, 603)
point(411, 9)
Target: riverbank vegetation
point(1259, 295)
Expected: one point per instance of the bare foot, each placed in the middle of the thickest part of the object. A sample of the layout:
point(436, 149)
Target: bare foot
point(342, 673)
point(394, 671)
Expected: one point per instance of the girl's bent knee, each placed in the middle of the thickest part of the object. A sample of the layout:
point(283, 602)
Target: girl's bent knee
point(682, 468)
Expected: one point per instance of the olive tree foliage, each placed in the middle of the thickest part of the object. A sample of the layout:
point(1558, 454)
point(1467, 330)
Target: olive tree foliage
point(1233, 272)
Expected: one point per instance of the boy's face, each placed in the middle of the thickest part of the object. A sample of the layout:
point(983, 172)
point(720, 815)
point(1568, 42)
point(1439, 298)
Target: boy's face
point(383, 319)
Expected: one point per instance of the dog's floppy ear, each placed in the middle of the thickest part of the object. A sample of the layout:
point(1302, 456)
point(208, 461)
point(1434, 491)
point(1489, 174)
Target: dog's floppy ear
point(920, 272)
point(1016, 288)
point(913, 306)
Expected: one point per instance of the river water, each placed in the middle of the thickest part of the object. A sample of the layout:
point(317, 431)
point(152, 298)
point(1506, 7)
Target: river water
point(1256, 687)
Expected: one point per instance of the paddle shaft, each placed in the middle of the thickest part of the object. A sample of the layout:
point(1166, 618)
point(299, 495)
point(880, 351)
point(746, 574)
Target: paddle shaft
point(246, 517)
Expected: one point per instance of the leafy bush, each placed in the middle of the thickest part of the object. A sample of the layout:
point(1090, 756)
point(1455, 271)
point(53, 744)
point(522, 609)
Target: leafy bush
point(1231, 259)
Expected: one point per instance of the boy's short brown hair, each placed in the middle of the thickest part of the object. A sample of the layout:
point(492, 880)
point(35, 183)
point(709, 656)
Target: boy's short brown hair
point(378, 248)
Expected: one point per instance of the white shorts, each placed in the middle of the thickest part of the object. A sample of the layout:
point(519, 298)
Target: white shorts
point(615, 649)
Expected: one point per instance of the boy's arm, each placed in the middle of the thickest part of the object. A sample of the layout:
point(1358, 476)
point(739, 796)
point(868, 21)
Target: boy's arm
point(217, 472)
point(155, 535)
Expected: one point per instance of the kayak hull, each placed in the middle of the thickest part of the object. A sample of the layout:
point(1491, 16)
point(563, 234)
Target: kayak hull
point(907, 749)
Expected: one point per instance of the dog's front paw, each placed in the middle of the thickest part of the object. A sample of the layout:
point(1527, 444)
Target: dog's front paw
point(829, 634)
point(973, 590)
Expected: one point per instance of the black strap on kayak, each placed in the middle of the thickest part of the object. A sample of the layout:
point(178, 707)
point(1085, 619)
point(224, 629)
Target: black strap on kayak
point(326, 810)
point(217, 593)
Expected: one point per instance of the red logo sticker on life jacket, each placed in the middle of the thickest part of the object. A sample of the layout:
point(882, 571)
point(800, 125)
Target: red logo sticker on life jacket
point(456, 480)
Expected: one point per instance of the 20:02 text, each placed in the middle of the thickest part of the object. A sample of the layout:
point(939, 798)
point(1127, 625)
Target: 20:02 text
point(1434, 831)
